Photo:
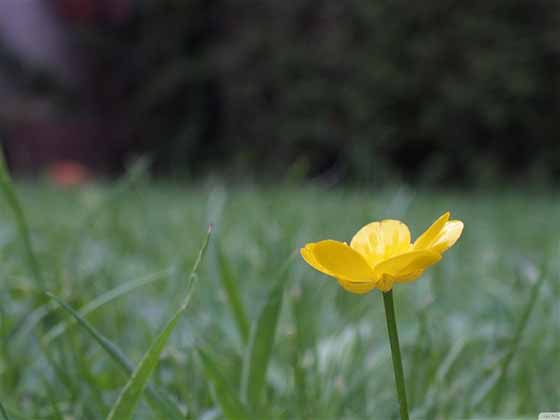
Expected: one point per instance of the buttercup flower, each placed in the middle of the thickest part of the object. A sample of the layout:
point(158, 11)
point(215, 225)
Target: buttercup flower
point(381, 254)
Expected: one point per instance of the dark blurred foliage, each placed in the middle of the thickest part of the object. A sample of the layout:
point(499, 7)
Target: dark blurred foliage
point(437, 91)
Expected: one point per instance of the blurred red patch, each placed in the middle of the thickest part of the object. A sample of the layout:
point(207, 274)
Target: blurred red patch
point(68, 173)
point(95, 11)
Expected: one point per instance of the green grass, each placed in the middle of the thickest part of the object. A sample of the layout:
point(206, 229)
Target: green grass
point(264, 335)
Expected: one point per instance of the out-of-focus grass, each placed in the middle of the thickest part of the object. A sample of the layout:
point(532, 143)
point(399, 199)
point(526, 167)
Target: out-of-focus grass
point(123, 256)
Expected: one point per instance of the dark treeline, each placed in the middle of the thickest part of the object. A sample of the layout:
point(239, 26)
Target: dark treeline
point(447, 91)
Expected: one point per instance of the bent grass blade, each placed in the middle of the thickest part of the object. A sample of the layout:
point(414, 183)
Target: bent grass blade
point(124, 407)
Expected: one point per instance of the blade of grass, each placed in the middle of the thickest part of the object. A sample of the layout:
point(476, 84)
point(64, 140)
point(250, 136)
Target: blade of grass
point(10, 413)
point(299, 373)
point(261, 342)
point(130, 395)
point(492, 386)
point(3, 412)
point(31, 321)
point(230, 286)
point(102, 300)
point(484, 389)
point(158, 402)
point(437, 384)
point(305, 338)
point(232, 408)
point(516, 341)
point(124, 407)
point(7, 187)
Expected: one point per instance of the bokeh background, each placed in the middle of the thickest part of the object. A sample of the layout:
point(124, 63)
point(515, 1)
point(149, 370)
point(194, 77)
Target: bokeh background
point(361, 91)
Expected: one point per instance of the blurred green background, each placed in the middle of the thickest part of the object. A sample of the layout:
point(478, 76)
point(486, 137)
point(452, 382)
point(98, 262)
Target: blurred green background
point(363, 91)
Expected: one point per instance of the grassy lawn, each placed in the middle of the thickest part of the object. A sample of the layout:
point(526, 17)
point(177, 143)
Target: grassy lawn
point(480, 332)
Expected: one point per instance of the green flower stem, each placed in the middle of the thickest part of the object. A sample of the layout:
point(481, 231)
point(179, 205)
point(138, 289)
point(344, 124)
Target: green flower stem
point(395, 352)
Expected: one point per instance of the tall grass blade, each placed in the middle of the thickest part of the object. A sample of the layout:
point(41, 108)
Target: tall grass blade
point(7, 188)
point(516, 341)
point(493, 386)
point(304, 334)
point(102, 300)
point(130, 396)
point(111, 349)
point(3, 412)
point(157, 401)
point(230, 286)
point(260, 346)
point(484, 389)
point(232, 408)
point(9, 413)
point(31, 321)
point(437, 384)
point(124, 407)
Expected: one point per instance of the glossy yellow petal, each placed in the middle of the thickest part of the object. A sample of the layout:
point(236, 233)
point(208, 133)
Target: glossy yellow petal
point(356, 287)
point(430, 235)
point(337, 259)
point(309, 257)
point(381, 254)
point(380, 240)
point(441, 236)
point(449, 235)
point(403, 267)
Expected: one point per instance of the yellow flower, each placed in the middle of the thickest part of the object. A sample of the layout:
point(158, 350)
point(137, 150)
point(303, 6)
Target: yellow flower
point(381, 254)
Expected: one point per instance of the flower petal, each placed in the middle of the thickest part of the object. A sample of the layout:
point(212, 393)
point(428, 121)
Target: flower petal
point(379, 240)
point(337, 259)
point(449, 235)
point(430, 235)
point(356, 287)
point(309, 257)
point(403, 267)
point(441, 236)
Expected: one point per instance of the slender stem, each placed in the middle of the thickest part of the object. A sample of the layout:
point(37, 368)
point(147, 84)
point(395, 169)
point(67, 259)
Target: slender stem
point(395, 352)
